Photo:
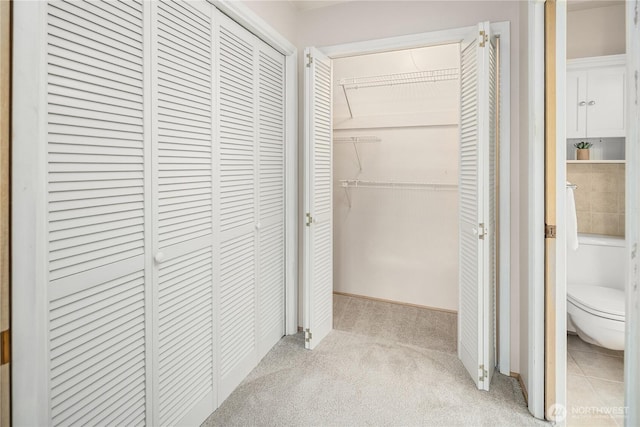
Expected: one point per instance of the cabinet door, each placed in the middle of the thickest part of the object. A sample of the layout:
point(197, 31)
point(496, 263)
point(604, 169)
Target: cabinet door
point(605, 102)
point(576, 104)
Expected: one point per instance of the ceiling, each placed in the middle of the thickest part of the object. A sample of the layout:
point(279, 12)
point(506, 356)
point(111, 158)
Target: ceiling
point(573, 5)
point(303, 5)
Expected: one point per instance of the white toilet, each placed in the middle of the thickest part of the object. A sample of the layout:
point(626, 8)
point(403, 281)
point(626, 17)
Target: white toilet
point(595, 290)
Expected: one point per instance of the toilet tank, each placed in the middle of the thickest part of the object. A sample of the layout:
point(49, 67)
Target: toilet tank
point(598, 261)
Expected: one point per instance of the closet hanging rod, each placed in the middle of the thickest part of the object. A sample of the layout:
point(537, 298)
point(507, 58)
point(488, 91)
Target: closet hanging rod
point(356, 139)
point(434, 186)
point(430, 76)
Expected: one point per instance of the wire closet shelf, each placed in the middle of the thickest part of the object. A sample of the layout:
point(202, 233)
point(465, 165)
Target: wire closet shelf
point(430, 76)
point(432, 186)
point(397, 79)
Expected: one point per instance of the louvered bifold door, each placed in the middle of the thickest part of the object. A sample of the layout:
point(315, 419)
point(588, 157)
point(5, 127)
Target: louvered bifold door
point(271, 225)
point(318, 245)
point(96, 228)
point(477, 210)
point(235, 189)
point(183, 112)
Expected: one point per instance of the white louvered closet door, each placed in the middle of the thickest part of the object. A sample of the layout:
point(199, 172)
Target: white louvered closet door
point(165, 210)
point(183, 126)
point(236, 190)
point(271, 193)
point(318, 257)
point(476, 347)
point(97, 214)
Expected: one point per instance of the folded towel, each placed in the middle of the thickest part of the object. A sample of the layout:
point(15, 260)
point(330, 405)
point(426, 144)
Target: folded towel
point(572, 220)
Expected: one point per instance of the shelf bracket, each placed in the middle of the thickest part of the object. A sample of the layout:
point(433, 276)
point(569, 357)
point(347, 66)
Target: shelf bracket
point(346, 193)
point(355, 140)
point(355, 148)
point(344, 90)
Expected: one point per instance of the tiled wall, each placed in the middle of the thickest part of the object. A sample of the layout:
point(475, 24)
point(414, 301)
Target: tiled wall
point(599, 197)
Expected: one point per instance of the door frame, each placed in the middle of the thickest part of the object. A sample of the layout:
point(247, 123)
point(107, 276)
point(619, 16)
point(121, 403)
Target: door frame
point(456, 35)
point(555, 177)
point(547, 255)
point(537, 55)
point(632, 226)
point(535, 201)
point(5, 213)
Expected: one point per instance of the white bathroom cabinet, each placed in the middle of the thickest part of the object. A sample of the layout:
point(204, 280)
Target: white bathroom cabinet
point(596, 97)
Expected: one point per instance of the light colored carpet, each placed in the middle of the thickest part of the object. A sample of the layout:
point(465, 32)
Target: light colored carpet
point(369, 372)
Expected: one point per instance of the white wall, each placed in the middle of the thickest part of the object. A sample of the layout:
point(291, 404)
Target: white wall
point(393, 243)
point(595, 32)
point(281, 15)
point(367, 20)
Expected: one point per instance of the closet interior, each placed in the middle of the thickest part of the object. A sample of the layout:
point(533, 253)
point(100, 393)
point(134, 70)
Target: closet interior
point(396, 148)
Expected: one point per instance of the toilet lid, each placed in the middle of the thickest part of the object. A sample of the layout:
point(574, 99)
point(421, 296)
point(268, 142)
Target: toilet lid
point(600, 300)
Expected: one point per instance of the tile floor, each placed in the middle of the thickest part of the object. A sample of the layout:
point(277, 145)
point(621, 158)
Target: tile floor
point(595, 388)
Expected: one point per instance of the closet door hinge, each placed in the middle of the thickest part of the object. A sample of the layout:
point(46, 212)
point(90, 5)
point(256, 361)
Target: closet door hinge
point(5, 350)
point(483, 38)
point(483, 373)
point(307, 335)
point(309, 60)
point(549, 231)
point(482, 231)
point(309, 219)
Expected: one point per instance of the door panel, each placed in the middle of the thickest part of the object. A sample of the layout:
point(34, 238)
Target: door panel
point(237, 182)
point(96, 211)
point(318, 259)
point(271, 232)
point(182, 115)
point(490, 208)
point(470, 326)
point(476, 329)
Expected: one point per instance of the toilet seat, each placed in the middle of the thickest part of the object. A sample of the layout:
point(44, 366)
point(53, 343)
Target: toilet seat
point(600, 301)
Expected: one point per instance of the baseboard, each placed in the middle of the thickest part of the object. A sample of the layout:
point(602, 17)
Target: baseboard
point(395, 302)
point(522, 386)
